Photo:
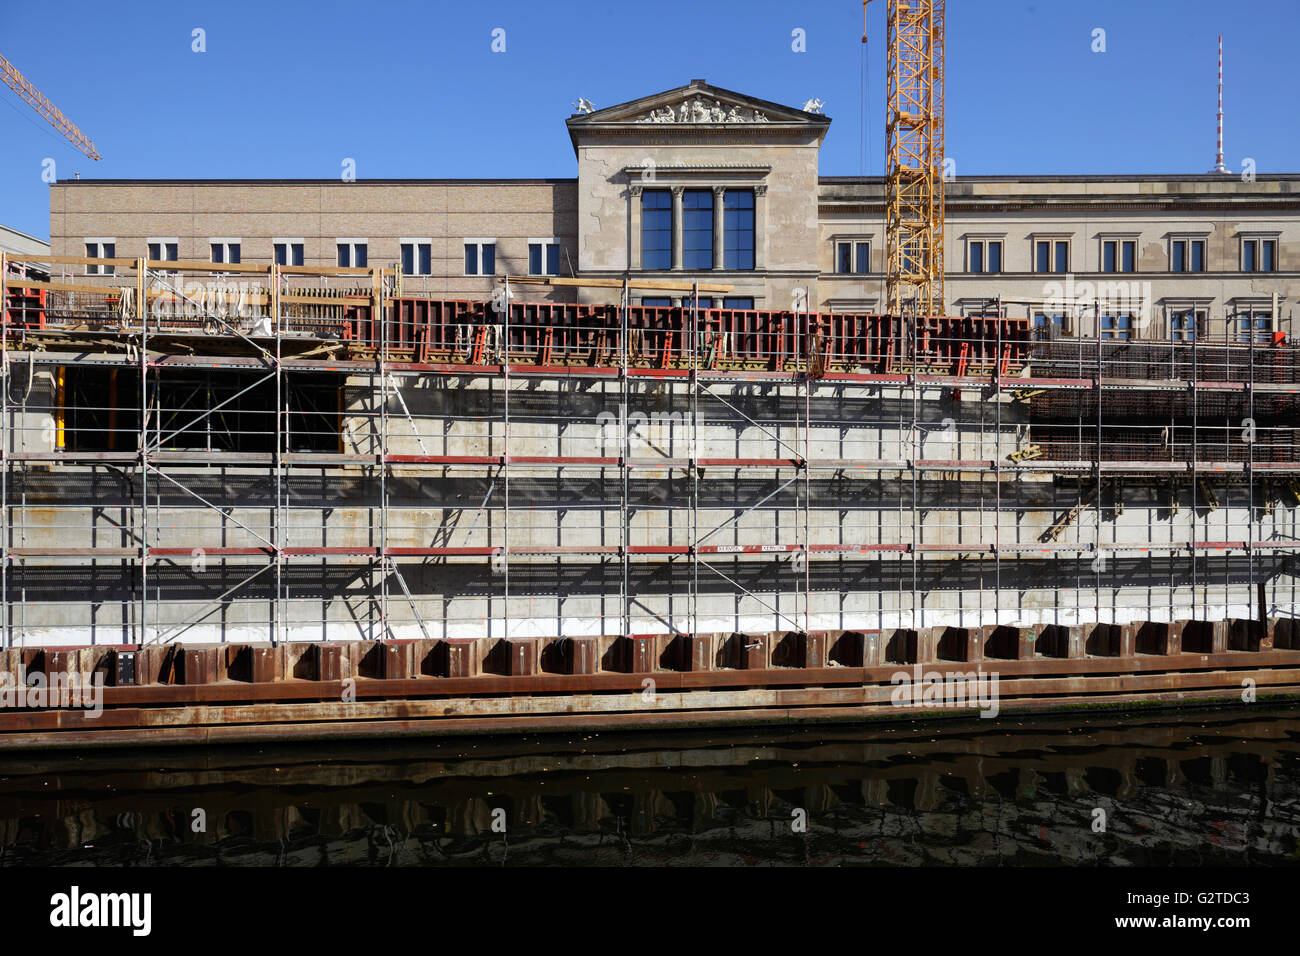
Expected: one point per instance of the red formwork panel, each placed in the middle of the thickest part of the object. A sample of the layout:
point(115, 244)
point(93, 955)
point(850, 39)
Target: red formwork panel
point(24, 308)
point(571, 334)
point(655, 336)
point(964, 345)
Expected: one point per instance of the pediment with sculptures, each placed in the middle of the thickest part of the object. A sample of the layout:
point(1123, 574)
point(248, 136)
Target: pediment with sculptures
point(701, 109)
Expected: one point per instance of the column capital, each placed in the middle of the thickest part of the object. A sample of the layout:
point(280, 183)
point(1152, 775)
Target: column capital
point(635, 189)
point(760, 189)
point(678, 190)
point(719, 190)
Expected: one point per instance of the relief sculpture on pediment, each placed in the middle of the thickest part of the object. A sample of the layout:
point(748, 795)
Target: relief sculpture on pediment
point(700, 110)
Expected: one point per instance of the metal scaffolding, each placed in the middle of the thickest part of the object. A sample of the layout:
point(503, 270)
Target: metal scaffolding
point(788, 441)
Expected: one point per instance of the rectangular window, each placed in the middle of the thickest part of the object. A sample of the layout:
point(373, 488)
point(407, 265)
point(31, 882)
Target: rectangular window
point(1259, 255)
point(1267, 255)
point(417, 257)
point(1183, 324)
point(288, 252)
point(740, 303)
point(1051, 255)
point(1118, 255)
point(862, 258)
point(994, 257)
point(1048, 326)
point(225, 250)
point(844, 258)
point(543, 257)
point(738, 229)
point(1187, 255)
point(100, 249)
point(657, 301)
point(164, 250)
point(697, 229)
point(353, 253)
point(481, 257)
point(1253, 322)
point(1116, 326)
point(985, 256)
point(656, 229)
point(853, 258)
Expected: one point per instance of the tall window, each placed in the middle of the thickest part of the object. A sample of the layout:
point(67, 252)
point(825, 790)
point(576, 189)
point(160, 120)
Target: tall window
point(844, 258)
point(985, 255)
point(543, 257)
point(697, 229)
point(1052, 255)
point(740, 303)
point(353, 253)
point(1048, 326)
point(288, 252)
point(1116, 326)
point(738, 228)
point(1187, 255)
point(853, 257)
point(1259, 255)
point(417, 257)
point(225, 251)
point(480, 257)
point(1119, 255)
point(1253, 322)
point(656, 229)
point(100, 249)
point(1183, 324)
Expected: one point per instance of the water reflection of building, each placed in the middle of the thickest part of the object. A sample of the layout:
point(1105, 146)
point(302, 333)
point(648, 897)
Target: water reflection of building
point(1217, 789)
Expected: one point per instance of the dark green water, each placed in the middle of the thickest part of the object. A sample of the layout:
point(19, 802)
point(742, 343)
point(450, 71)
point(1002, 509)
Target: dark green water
point(1183, 788)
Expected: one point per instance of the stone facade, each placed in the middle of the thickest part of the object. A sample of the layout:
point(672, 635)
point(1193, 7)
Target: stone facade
point(703, 137)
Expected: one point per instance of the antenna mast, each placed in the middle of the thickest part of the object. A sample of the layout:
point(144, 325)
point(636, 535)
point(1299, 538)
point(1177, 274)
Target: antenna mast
point(1218, 161)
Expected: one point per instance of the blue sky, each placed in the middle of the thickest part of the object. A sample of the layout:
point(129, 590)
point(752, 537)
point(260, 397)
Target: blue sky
point(414, 89)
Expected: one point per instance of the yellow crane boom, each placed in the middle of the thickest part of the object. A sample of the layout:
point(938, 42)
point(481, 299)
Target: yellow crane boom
point(19, 84)
point(914, 155)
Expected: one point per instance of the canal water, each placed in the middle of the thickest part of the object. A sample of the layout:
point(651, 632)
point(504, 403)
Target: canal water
point(1216, 787)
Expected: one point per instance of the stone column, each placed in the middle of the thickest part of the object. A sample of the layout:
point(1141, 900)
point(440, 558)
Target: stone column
point(719, 232)
point(677, 227)
point(760, 232)
point(634, 227)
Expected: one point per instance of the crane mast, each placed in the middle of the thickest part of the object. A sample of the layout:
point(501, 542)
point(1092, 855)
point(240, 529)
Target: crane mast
point(914, 156)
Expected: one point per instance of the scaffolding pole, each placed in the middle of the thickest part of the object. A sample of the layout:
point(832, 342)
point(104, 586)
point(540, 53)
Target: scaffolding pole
point(695, 461)
point(624, 454)
point(505, 463)
point(4, 452)
point(142, 309)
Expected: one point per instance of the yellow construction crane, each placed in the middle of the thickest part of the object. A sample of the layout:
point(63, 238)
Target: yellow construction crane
point(914, 155)
point(18, 83)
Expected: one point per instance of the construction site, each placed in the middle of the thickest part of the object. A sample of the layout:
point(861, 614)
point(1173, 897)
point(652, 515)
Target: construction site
point(266, 498)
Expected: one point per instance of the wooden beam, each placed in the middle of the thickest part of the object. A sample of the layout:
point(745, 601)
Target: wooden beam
point(76, 260)
point(63, 286)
